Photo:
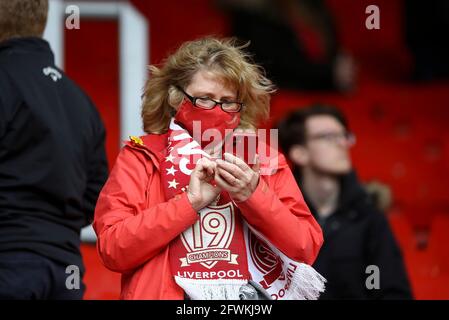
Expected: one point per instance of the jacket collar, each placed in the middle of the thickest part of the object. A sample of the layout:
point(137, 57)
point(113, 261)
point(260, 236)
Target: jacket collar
point(33, 44)
point(155, 145)
point(351, 191)
point(152, 145)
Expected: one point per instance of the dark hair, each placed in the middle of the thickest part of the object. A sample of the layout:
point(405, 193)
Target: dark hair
point(292, 128)
point(22, 18)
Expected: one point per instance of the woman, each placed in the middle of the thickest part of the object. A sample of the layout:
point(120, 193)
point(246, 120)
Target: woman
point(177, 223)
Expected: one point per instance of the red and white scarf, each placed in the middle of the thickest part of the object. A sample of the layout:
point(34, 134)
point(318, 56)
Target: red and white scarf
point(213, 258)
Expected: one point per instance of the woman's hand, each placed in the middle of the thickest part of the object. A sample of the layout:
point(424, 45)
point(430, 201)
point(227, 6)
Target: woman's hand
point(236, 177)
point(200, 192)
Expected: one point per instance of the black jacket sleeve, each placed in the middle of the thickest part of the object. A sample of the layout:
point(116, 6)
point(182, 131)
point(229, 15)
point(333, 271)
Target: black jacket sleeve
point(384, 252)
point(2, 109)
point(97, 169)
point(9, 101)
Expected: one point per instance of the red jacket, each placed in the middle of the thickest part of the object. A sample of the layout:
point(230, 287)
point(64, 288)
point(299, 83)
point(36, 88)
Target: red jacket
point(135, 224)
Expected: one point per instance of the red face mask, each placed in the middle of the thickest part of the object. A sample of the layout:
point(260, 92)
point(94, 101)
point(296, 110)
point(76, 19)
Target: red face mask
point(208, 118)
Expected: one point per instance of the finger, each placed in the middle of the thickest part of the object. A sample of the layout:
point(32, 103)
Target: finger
point(256, 166)
point(232, 169)
point(223, 184)
point(199, 170)
point(229, 178)
point(204, 162)
point(205, 168)
point(236, 160)
point(210, 168)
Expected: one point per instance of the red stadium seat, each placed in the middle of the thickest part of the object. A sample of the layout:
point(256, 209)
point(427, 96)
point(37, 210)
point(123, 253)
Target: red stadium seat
point(101, 283)
point(403, 232)
point(439, 241)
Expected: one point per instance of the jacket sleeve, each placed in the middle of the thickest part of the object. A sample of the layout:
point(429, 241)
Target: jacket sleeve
point(9, 101)
point(129, 233)
point(97, 171)
point(383, 252)
point(3, 88)
point(277, 209)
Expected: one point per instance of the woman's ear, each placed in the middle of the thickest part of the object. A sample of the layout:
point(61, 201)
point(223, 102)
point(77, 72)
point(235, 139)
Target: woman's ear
point(299, 155)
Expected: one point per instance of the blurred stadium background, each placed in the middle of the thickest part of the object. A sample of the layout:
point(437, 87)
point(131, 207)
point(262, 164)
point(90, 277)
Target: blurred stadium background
point(402, 127)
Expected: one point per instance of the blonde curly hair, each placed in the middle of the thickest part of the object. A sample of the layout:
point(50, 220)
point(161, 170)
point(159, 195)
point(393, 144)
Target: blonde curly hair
point(223, 57)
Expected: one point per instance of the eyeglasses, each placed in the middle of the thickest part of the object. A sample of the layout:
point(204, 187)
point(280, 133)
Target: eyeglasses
point(334, 137)
point(207, 103)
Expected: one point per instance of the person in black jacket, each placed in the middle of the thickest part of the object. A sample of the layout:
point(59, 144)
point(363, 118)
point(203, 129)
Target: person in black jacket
point(360, 257)
point(52, 162)
point(294, 41)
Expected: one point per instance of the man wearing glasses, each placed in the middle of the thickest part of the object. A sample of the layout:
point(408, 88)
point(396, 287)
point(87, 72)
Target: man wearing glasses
point(357, 237)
